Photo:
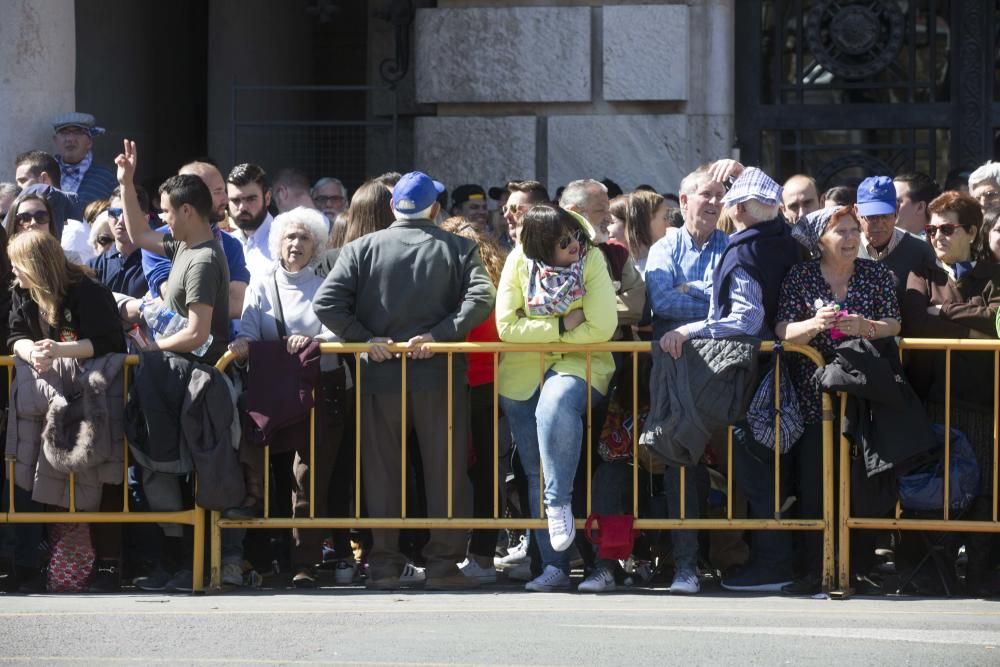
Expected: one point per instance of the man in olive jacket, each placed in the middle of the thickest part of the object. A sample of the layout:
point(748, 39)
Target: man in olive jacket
point(411, 283)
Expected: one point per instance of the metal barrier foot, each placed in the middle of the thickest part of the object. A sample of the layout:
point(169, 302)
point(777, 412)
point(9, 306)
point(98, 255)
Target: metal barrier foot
point(841, 594)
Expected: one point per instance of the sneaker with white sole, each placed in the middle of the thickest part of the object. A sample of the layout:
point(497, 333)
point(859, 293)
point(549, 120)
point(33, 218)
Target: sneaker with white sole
point(551, 580)
point(685, 582)
point(515, 555)
point(562, 530)
point(412, 575)
point(601, 580)
point(473, 570)
point(344, 571)
point(520, 572)
point(232, 574)
point(181, 582)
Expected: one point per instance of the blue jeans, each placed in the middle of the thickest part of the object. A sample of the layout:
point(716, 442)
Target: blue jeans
point(685, 542)
point(547, 430)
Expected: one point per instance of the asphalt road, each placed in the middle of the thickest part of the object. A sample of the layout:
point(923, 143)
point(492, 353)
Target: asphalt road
point(506, 627)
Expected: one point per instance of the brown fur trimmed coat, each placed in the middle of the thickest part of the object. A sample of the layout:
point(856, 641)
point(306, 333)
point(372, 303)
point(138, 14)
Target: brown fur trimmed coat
point(70, 418)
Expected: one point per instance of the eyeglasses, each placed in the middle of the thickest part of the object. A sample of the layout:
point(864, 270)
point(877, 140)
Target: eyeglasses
point(323, 200)
point(41, 217)
point(947, 229)
point(115, 213)
point(514, 209)
point(989, 195)
point(105, 240)
point(569, 238)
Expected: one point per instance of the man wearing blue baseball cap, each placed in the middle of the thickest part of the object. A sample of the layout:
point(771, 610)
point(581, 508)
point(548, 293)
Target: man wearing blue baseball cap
point(416, 284)
point(882, 241)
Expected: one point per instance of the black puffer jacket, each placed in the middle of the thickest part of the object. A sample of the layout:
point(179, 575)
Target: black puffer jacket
point(708, 388)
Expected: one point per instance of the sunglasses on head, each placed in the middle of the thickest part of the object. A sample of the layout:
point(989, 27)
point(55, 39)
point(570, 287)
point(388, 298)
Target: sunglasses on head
point(40, 217)
point(569, 238)
point(947, 229)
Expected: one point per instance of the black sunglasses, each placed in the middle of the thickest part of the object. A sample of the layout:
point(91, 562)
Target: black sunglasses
point(115, 213)
point(40, 217)
point(569, 238)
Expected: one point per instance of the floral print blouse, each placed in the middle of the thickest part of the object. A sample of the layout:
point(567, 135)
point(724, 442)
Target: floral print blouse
point(871, 293)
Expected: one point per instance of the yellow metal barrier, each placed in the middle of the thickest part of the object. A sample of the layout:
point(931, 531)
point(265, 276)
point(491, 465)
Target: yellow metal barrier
point(194, 517)
point(824, 524)
point(847, 523)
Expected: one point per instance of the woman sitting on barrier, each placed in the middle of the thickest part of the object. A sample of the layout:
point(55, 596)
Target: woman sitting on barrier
point(57, 312)
point(957, 297)
point(553, 290)
point(822, 302)
point(277, 307)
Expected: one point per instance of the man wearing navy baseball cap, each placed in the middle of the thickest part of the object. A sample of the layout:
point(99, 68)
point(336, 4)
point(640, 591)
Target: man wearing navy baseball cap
point(881, 240)
point(412, 283)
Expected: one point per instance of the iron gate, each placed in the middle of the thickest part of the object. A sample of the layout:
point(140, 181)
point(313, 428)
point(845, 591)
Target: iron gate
point(843, 89)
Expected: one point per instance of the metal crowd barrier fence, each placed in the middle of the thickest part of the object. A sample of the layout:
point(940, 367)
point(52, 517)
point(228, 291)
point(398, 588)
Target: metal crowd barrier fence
point(847, 522)
point(194, 517)
point(825, 524)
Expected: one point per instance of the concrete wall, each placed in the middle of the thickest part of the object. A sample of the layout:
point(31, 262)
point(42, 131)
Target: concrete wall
point(37, 74)
point(553, 90)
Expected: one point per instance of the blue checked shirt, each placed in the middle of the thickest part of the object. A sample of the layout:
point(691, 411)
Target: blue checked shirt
point(673, 261)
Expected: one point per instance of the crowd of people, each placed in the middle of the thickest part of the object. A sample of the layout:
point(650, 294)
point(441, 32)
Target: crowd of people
point(268, 268)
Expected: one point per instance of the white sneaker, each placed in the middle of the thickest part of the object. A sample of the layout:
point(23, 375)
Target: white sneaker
point(552, 579)
point(232, 574)
point(601, 580)
point(515, 555)
point(412, 575)
point(473, 570)
point(562, 530)
point(520, 572)
point(685, 582)
point(344, 571)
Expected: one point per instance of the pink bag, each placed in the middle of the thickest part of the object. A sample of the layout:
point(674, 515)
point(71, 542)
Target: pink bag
point(72, 559)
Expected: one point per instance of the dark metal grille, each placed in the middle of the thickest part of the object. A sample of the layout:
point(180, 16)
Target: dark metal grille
point(322, 130)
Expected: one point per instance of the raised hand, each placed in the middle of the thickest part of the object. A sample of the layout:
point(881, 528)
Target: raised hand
point(126, 163)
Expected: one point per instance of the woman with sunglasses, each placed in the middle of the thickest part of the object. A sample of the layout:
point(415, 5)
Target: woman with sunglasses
point(28, 212)
point(956, 297)
point(553, 289)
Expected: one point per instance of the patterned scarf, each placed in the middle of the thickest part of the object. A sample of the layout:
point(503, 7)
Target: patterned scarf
point(72, 174)
point(551, 289)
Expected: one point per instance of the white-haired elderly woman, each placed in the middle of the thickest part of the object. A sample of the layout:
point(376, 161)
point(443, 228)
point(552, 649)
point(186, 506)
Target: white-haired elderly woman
point(298, 239)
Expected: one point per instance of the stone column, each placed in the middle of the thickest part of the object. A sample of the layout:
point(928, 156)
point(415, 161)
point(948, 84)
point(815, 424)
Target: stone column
point(37, 74)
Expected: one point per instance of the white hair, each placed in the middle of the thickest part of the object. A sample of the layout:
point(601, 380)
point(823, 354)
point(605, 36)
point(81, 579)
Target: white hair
point(576, 192)
point(694, 180)
point(418, 215)
point(985, 173)
point(308, 219)
point(759, 211)
point(327, 180)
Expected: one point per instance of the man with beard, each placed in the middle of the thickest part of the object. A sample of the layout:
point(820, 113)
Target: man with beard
point(249, 199)
point(330, 196)
point(157, 268)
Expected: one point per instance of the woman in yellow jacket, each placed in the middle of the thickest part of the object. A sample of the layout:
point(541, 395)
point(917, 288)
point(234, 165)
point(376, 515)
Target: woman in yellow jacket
point(555, 288)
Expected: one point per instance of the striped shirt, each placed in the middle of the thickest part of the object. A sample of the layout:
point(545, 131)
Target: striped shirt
point(746, 318)
point(673, 261)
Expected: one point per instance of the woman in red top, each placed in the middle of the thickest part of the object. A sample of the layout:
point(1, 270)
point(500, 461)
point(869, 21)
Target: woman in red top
point(482, 546)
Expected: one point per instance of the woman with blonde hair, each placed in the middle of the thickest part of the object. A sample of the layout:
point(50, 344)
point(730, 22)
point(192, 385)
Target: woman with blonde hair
point(482, 546)
point(59, 311)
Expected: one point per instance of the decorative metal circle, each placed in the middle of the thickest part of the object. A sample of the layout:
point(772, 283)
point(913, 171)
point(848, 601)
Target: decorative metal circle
point(866, 164)
point(855, 40)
